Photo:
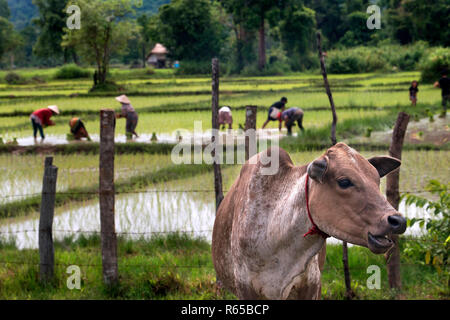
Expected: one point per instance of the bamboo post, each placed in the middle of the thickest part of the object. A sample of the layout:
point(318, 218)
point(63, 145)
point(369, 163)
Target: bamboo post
point(215, 136)
point(250, 124)
point(107, 197)
point(393, 196)
point(349, 292)
point(46, 250)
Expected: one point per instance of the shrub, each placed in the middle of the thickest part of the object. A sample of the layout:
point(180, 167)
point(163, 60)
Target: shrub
point(72, 71)
point(276, 68)
point(433, 64)
point(344, 62)
point(434, 249)
point(194, 67)
point(14, 78)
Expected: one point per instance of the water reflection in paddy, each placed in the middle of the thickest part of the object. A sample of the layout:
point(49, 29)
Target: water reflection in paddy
point(143, 215)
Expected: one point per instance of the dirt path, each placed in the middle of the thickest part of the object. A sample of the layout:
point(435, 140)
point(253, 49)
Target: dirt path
point(418, 132)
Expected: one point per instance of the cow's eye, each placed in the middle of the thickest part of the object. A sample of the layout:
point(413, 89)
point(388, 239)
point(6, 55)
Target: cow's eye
point(345, 183)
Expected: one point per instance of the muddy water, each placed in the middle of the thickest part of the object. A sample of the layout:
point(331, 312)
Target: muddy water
point(141, 215)
point(186, 137)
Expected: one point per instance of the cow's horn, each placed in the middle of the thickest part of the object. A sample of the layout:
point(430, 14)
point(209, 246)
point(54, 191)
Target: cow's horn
point(317, 169)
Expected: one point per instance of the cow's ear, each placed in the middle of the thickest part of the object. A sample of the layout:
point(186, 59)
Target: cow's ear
point(384, 164)
point(318, 168)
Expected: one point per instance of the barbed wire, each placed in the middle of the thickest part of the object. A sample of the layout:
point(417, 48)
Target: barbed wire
point(198, 266)
point(96, 232)
point(29, 195)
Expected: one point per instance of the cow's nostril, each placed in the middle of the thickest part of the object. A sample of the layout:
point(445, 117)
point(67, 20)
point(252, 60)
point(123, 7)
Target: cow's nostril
point(397, 223)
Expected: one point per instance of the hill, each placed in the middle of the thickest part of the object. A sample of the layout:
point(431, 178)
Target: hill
point(23, 11)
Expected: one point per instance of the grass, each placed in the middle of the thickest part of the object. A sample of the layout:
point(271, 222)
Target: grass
point(180, 267)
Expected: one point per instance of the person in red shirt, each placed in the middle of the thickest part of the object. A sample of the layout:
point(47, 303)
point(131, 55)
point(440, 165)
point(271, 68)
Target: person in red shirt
point(41, 118)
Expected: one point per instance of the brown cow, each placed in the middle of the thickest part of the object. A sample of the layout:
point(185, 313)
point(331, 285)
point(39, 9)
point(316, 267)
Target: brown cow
point(261, 247)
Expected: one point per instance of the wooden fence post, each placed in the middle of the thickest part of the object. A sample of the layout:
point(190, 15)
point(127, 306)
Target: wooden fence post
point(250, 123)
point(327, 88)
point(215, 127)
point(46, 250)
point(107, 197)
point(393, 196)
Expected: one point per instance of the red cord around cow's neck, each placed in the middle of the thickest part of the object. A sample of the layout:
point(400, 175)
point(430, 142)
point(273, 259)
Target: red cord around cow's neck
point(314, 229)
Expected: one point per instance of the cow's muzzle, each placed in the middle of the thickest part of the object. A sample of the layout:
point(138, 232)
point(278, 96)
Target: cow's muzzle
point(380, 243)
point(397, 224)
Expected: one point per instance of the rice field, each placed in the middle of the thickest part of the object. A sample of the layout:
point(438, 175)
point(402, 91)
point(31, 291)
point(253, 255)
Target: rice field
point(157, 197)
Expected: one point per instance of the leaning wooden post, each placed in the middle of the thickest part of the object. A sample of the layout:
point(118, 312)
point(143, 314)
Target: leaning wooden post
point(215, 136)
point(349, 292)
point(250, 136)
point(46, 250)
point(107, 197)
point(393, 196)
point(327, 88)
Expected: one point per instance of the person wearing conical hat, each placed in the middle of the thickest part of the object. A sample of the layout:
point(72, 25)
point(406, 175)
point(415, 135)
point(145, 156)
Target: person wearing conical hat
point(41, 118)
point(78, 129)
point(130, 114)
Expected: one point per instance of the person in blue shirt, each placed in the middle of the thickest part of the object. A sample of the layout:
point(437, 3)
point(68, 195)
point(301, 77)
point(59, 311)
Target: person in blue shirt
point(274, 111)
point(290, 116)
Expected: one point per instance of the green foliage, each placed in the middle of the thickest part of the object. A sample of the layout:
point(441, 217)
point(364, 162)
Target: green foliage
point(72, 71)
point(4, 9)
point(434, 249)
point(14, 78)
point(194, 67)
point(105, 31)
point(51, 21)
point(358, 33)
point(190, 31)
point(381, 58)
point(434, 63)
point(414, 20)
point(297, 31)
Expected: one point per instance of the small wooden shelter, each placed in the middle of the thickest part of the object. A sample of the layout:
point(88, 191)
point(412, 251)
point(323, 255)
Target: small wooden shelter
point(158, 56)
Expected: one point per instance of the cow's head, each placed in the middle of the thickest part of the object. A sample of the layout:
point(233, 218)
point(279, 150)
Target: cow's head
point(346, 201)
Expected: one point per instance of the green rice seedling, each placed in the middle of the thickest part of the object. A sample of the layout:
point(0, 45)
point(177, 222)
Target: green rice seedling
point(368, 132)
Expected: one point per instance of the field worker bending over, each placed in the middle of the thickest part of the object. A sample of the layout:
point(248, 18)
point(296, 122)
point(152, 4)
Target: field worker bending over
point(130, 114)
point(225, 117)
point(41, 118)
point(274, 111)
point(78, 129)
point(290, 116)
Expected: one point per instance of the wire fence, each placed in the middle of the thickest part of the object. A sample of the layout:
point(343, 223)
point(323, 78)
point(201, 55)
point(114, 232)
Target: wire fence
point(30, 195)
point(123, 233)
point(123, 265)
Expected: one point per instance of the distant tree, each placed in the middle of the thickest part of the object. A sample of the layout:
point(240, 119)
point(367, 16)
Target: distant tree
point(297, 30)
point(105, 31)
point(412, 20)
point(188, 29)
point(51, 22)
point(4, 10)
point(10, 40)
point(330, 19)
point(358, 33)
point(243, 22)
point(147, 34)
